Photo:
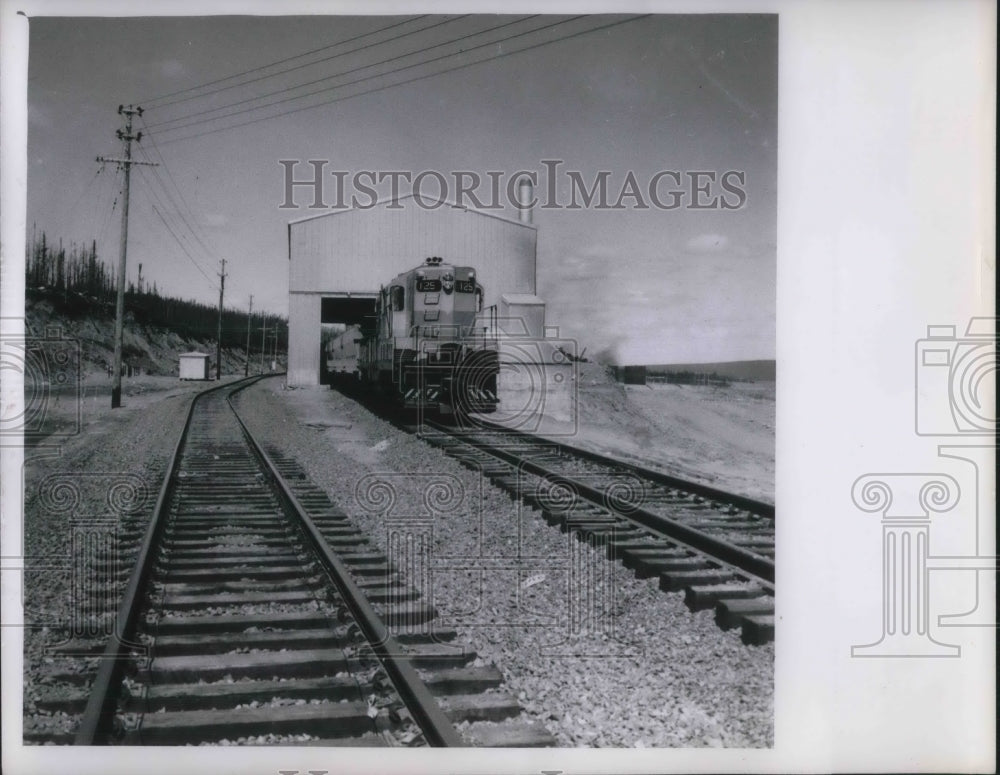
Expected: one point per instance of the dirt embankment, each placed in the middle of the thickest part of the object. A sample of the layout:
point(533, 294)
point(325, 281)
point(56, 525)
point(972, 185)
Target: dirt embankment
point(722, 436)
point(146, 350)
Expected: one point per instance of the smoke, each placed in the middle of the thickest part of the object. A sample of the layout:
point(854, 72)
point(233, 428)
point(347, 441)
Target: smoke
point(707, 300)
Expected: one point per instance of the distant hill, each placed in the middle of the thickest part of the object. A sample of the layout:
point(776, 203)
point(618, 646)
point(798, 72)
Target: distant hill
point(760, 371)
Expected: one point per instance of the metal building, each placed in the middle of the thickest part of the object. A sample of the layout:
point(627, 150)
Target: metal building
point(338, 261)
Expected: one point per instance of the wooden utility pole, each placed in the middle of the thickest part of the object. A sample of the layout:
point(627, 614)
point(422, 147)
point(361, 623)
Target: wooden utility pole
point(263, 344)
point(246, 371)
point(218, 344)
point(127, 137)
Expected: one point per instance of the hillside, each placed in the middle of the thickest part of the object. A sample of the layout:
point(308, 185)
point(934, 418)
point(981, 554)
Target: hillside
point(146, 349)
point(71, 291)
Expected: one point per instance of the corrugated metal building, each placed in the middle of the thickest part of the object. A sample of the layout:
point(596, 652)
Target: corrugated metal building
point(338, 260)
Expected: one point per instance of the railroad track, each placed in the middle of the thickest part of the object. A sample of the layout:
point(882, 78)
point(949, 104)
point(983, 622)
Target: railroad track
point(716, 547)
point(256, 613)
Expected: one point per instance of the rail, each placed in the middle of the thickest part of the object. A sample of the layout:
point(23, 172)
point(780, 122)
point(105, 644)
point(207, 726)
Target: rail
point(726, 551)
point(437, 729)
point(704, 490)
point(98, 717)
point(99, 711)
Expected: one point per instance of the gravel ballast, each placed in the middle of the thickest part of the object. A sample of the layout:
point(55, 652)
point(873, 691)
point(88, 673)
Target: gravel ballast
point(114, 465)
point(598, 656)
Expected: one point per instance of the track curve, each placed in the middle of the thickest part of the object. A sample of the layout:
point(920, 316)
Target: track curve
point(256, 613)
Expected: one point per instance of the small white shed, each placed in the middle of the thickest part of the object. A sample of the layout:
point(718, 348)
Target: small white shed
point(194, 366)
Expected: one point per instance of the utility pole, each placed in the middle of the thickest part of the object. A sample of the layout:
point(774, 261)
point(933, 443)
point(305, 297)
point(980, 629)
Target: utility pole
point(263, 345)
point(127, 137)
point(139, 281)
point(246, 371)
point(218, 343)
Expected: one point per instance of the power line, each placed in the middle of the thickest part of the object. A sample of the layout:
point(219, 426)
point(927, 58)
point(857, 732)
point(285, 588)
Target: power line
point(309, 83)
point(177, 239)
point(181, 245)
point(180, 196)
point(114, 192)
point(414, 79)
point(417, 78)
point(270, 64)
point(71, 212)
point(335, 75)
point(106, 195)
point(310, 64)
point(173, 205)
point(179, 211)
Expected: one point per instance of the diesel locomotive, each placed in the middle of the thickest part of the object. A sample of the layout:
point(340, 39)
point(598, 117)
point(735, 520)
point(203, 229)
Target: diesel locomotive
point(425, 347)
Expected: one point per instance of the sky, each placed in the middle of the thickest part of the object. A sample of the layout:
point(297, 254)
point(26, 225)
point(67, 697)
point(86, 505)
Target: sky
point(662, 93)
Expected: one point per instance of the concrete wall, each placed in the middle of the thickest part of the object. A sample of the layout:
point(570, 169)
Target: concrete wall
point(358, 251)
point(303, 338)
point(521, 314)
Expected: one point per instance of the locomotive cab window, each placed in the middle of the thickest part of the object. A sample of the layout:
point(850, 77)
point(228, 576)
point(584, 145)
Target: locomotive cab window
point(396, 294)
point(479, 299)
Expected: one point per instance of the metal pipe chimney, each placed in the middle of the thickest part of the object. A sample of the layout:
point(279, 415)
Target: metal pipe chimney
point(525, 193)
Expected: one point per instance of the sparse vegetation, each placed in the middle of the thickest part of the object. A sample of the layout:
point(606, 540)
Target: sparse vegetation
point(76, 286)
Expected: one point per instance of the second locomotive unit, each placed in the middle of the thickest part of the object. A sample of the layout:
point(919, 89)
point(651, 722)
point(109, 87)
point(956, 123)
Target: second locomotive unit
point(426, 346)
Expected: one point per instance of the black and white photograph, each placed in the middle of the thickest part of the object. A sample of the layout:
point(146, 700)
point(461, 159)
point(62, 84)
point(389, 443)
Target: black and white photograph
point(397, 379)
point(508, 378)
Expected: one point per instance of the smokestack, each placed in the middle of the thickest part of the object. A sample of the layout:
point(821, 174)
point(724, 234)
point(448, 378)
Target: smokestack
point(525, 193)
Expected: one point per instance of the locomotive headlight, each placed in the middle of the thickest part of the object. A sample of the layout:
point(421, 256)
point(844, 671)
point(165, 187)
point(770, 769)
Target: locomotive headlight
point(448, 282)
